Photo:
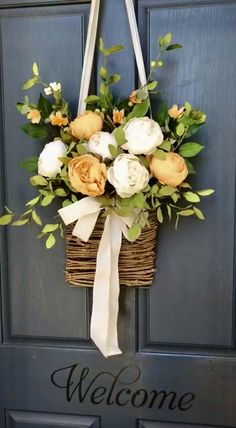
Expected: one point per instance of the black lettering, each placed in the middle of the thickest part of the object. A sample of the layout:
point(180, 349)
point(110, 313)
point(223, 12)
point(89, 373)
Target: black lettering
point(164, 396)
point(137, 395)
point(184, 400)
point(117, 379)
point(98, 392)
point(123, 391)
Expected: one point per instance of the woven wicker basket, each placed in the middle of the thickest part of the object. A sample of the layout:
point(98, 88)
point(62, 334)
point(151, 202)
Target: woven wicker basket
point(136, 261)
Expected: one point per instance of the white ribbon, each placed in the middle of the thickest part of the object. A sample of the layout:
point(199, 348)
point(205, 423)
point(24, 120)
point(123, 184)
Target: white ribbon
point(90, 47)
point(106, 288)
point(88, 54)
point(136, 41)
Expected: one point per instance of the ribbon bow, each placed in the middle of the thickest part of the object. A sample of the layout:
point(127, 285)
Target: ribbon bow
point(106, 288)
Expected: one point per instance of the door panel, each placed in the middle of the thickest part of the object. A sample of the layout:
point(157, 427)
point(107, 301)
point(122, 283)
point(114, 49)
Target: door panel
point(36, 420)
point(192, 302)
point(36, 307)
point(178, 366)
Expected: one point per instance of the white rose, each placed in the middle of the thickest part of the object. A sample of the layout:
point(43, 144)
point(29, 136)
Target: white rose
point(99, 144)
point(128, 175)
point(143, 135)
point(48, 163)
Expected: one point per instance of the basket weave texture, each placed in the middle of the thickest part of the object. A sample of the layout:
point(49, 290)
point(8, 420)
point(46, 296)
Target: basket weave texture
point(136, 260)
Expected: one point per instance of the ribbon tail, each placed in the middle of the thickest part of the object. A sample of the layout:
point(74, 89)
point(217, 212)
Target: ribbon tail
point(106, 289)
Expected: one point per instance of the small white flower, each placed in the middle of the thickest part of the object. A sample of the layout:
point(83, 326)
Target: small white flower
point(48, 163)
point(128, 175)
point(55, 86)
point(48, 90)
point(99, 144)
point(143, 135)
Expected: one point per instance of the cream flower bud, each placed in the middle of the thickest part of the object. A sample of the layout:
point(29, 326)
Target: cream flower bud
point(99, 144)
point(143, 136)
point(48, 163)
point(128, 175)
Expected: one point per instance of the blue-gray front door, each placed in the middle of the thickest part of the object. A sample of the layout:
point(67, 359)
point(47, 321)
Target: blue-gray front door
point(179, 363)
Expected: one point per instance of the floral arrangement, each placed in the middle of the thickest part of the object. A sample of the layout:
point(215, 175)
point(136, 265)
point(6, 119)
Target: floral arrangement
point(131, 159)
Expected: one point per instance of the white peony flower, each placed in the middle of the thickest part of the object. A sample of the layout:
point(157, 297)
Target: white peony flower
point(128, 175)
point(99, 144)
point(143, 135)
point(48, 163)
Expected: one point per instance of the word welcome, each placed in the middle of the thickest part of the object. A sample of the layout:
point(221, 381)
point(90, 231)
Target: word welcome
point(121, 389)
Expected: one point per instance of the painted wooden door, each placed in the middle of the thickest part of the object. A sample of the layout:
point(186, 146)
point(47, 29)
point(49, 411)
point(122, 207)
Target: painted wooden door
point(178, 367)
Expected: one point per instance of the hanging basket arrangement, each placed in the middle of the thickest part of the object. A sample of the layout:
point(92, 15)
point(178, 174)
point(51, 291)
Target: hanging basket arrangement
point(118, 169)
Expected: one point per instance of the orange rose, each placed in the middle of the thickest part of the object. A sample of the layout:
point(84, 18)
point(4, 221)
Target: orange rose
point(171, 171)
point(176, 112)
point(86, 124)
point(87, 175)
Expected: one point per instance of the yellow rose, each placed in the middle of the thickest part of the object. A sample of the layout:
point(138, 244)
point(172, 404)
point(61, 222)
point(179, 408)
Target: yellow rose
point(87, 175)
point(86, 124)
point(171, 171)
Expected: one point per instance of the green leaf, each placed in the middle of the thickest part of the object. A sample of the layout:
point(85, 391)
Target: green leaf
point(5, 219)
point(185, 185)
point(103, 88)
point(205, 192)
point(112, 150)
point(44, 106)
point(180, 129)
point(191, 197)
point(174, 46)
point(60, 192)
point(159, 154)
point(50, 228)
point(175, 197)
point(190, 167)
point(114, 49)
point(114, 78)
point(167, 191)
point(186, 213)
point(154, 189)
point(166, 145)
point(152, 85)
point(139, 200)
point(162, 114)
point(140, 110)
point(81, 149)
point(103, 73)
point(35, 69)
point(32, 202)
point(74, 198)
point(36, 218)
point(191, 149)
point(159, 215)
point(166, 40)
point(47, 200)
point(199, 214)
point(30, 83)
point(38, 180)
point(50, 242)
point(119, 135)
point(20, 222)
point(25, 109)
point(66, 203)
point(92, 99)
point(134, 232)
point(35, 130)
point(101, 44)
point(169, 211)
point(30, 164)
